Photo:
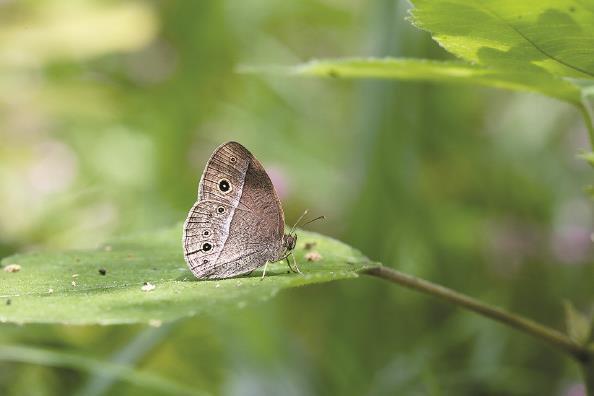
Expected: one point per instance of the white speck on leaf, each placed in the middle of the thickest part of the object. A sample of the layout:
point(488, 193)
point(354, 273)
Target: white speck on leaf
point(313, 256)
point(12, 268)
point(155, 323)
point(147, 287)
point(309, 245)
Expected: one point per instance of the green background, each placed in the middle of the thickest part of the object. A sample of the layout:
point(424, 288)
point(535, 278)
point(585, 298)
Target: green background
point(109, 110)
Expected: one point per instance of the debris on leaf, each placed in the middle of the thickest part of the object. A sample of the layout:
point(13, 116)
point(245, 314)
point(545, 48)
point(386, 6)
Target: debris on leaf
point(155, 323)
point(8, 301)
point(102, 271)
point(75, 275)
point(50, 291)
point(309, 245)
point(12, 268)
point(313, 256)
point(147, 287)
point(73, 283)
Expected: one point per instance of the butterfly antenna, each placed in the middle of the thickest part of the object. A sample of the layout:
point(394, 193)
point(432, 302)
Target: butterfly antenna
point(298, 220)
point(317, 218)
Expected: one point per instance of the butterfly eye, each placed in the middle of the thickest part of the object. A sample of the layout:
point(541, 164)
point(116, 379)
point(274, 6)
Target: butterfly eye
point(206, 233)
point(206, 247)
point(224, 185)
point(221, 209)
point(233, 160)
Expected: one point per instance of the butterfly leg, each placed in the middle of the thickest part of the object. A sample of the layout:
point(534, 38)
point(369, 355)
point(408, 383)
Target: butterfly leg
point(264, 272)
point(295, 263)
point(289, 263)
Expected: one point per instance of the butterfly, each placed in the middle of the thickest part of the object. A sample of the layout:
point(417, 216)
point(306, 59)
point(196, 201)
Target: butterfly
point(237, 224)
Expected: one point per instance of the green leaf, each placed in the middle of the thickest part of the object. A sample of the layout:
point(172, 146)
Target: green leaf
point(530, 35)
point(43, 290)
point(579, 326)
point(454, 72)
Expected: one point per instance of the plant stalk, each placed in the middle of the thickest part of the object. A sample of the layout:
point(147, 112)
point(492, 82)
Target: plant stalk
point(555, 338)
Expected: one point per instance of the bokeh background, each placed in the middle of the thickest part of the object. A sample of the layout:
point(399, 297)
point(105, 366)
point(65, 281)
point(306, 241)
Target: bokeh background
point(110, 109)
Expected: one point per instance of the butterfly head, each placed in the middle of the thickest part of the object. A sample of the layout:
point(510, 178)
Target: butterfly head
point(289, 241)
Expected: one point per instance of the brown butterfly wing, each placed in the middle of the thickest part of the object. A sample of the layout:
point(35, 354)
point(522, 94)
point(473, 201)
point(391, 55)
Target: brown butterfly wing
point(242, 223)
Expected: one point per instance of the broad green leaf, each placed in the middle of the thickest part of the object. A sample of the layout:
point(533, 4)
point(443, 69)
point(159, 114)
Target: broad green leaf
point(530, 35)
point(454, 72)
point(43, 290)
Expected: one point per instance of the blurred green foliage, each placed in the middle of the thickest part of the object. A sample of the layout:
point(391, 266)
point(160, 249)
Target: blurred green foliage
point(109, 110)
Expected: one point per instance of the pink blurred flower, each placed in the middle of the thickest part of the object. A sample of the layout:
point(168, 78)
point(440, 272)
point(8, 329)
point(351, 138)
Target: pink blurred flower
point(510, 242)
point(571, 244)
point(575, 390)
point(54, 168)
point(280, 180)
point(570, 237)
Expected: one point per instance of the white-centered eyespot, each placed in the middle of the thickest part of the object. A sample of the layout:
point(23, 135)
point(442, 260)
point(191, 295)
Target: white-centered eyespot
point(224, 186)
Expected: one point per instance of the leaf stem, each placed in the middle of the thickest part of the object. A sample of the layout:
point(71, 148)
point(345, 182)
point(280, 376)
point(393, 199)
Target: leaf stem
point(555, 338)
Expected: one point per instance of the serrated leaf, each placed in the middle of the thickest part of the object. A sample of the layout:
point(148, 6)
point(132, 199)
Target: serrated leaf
point(579, 326)
point(530, 35)
point(67, 287)
point(449, 72)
